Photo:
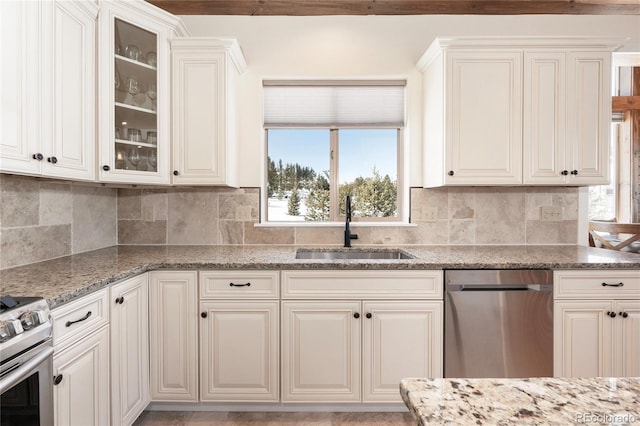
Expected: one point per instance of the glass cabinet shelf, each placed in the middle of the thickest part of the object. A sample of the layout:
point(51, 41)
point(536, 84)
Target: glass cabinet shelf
point(135, 94)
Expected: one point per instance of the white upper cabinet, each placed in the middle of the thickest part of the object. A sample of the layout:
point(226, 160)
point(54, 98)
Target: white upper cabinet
point(205, 73)
point(48, 88)
point(483, 104)
point(516, 111)
point(567, 110)
point(134, 91)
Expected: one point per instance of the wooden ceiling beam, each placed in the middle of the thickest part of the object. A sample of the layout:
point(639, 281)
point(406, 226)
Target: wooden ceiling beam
point(398, 7)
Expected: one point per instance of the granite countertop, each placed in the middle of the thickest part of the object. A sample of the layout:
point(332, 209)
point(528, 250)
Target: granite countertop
point(548, 401)
point(61, 280)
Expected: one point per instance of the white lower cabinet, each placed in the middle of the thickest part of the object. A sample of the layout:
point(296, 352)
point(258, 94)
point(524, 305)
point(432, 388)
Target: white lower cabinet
point(81, 362)
point(320, 351)
point(239, 351)
point(173, 334)
point(129, 349)
point(400, 339)
point(597, 323)
point(358, 350)
point(239, 336)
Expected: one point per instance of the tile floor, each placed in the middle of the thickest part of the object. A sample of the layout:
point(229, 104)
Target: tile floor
point(199, 418)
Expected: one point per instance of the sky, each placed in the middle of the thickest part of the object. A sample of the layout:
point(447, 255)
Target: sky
point(360, 150)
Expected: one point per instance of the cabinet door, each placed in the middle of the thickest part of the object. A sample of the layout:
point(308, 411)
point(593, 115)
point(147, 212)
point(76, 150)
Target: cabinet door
point(544, 118)
point(69, 87)
point(320, 351)
point(129, 349)
point(20, 33)
point(134, 93)
point(204, 115)
point(173, 329)
point(588, 119)
point(627, 339)
point(484, 118)
point(82, 397)
point(400, 339)
point(237, 369)
point(583, 339)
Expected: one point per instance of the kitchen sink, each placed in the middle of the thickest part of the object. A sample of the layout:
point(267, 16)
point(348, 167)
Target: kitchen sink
point(351, 254)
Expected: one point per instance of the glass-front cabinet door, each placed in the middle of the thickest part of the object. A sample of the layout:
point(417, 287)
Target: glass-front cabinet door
point(134, 90)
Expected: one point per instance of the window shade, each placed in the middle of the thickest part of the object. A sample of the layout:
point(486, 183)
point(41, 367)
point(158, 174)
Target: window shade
point(334, 104)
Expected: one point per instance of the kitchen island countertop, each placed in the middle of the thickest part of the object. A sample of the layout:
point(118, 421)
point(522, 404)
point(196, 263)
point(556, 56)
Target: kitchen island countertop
point(535, 401)
point(64, 279)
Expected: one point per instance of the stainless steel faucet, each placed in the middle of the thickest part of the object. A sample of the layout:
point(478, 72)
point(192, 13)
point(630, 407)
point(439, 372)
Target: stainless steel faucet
point(348, 236)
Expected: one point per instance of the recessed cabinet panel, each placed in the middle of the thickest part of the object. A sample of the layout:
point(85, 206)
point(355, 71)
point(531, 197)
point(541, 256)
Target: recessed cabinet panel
point(583, 339)
point(484, 117)
point(628, 337)
point(320, 351)
point(589, 98)
point(400, 339)
point(204, 75)
point(173, 322)
point(239, 351)
point(544, 117)
point(82, 396)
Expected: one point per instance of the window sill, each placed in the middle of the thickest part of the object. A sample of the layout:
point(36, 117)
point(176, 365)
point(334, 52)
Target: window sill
point(333, 224)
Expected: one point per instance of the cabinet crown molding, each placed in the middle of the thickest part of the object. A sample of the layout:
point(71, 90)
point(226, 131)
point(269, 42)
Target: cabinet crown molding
point(441, 44)
point(228, 45)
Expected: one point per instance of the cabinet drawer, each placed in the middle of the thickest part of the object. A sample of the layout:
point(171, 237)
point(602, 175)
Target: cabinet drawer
point(80, 318)
point(234, 284)
point(379, 284)
point(597, 284)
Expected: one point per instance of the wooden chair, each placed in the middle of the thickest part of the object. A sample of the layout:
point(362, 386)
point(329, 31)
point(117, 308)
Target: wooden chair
point(614, 236)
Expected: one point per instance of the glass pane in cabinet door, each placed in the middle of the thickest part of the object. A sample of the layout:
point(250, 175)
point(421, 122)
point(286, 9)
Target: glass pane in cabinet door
point(135, 86)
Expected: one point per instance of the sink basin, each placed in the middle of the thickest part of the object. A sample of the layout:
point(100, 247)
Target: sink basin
point(351, 254)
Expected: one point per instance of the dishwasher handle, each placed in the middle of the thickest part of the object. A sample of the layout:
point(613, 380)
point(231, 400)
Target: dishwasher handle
point(506, 287)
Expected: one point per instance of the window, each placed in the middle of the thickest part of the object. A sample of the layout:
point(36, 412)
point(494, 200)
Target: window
point(329, 140)
point(602, 198)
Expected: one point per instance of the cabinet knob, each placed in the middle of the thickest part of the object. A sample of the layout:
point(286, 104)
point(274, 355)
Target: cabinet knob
point(623, 314)
point(38, 157)
point(368, 315)
point(611, 314)
point(356, 315)
point(106, 168)
point(176, 173)
point(52, 160)
point(120, 300)
point(57, 379)
point(574, 172)
point(564, 172)
point(451, 173)
point(203, 314)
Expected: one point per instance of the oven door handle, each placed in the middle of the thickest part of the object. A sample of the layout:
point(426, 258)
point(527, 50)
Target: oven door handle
point(21, 372)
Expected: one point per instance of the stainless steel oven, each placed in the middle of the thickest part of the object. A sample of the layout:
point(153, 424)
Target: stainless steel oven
point(26, 362)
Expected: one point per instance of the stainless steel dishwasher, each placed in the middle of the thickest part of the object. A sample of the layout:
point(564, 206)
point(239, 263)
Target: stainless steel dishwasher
point(498, 323)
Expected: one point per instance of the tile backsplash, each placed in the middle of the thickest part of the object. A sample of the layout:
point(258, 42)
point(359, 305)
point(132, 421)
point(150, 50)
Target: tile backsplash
point(475, 215)
point(42, 219)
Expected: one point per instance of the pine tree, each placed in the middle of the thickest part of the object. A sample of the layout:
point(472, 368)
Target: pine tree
point(293, 205)
point(317, 201)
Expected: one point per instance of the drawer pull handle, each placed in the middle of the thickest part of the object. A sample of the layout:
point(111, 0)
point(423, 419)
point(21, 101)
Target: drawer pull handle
point(612, 285)
point(239, 285)
point(86, 317)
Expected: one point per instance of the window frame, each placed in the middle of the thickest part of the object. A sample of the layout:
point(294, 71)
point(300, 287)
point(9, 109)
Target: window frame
point(334, 186)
